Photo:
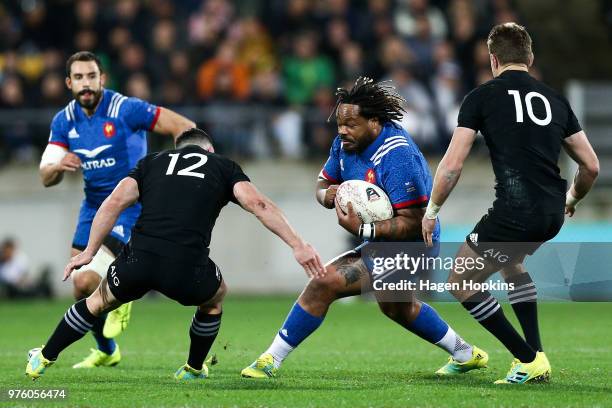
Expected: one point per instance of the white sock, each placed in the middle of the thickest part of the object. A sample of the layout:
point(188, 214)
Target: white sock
point(279, 349)
point(455, 346)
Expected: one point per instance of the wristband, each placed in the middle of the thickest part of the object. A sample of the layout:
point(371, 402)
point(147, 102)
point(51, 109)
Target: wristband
point(367, 231)
point(570, 200)
point(321, 196)
point(432, 210)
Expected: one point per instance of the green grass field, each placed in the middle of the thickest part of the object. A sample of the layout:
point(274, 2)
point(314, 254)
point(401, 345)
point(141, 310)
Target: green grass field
point(357, 358)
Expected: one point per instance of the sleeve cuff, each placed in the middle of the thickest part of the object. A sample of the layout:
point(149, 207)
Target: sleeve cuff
point(328, 177)
point(155, 118)
point(472, 126)
point(61, 144)
point(408, 203)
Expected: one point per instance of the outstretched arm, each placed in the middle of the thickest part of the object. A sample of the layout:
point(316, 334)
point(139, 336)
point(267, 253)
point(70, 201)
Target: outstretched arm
point(171, 123)
point(273, 218)
point(125, 194)
point(447, 176)
point(580, 150)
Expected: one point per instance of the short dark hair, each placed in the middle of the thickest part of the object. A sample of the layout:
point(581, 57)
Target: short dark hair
point(510, 43)
point(83, 56)
point(193, 136)
point(375, 100)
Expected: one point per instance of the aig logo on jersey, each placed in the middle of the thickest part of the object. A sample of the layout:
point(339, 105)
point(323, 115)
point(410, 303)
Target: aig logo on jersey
point(113, 275)
point(109, 129)
point(496, 254)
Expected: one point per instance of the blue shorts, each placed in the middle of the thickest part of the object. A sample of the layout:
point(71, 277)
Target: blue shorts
point(121, 231)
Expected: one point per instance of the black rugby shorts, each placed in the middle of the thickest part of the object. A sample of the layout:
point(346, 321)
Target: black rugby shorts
point(502, 237)
point(135, 272)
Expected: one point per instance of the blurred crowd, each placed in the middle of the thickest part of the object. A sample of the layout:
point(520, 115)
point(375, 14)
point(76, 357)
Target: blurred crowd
point(16, 279)
point(261, 74)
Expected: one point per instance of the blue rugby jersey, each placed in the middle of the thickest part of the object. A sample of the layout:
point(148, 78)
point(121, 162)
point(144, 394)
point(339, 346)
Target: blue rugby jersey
point(393, 162)
point(109, 143)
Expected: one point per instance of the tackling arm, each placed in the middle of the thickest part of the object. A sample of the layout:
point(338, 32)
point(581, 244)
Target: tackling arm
point(171, 123)
point(125, 194)
point(273, 219)
point(580, 150)
point(266, 212)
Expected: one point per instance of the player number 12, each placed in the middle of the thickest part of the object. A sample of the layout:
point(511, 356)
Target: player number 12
point(528, 98)
point(187, 171)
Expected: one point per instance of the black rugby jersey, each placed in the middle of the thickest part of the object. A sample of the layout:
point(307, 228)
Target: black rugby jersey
point(523, 122)
point(182, 192)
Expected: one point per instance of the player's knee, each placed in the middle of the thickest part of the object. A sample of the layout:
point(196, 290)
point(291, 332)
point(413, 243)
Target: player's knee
point(95, 304)
point(512, 270)
point(455, 279)
point(318, 295)
point(85, 283)
point(458, 293)
point(215, 304)
point(325, 288)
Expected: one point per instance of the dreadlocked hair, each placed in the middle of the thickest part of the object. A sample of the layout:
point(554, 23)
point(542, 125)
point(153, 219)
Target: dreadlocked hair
point(375, 100)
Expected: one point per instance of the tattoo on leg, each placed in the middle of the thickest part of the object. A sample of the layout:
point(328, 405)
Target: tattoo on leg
point(351, 269)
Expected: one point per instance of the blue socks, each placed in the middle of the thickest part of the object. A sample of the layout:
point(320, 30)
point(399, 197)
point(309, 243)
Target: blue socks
point(429, 325)
point(298, 325)
point(104, 345)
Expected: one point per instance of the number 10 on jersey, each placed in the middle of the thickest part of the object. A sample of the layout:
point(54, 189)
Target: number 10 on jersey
point(519, 107)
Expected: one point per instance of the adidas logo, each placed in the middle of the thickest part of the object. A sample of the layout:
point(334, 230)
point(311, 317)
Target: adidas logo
point(118, 229)
point(474, 238)
point(73, 134)
point(284, 332)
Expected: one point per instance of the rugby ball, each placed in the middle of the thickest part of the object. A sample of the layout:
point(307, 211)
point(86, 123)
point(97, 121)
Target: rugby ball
point(369, 201)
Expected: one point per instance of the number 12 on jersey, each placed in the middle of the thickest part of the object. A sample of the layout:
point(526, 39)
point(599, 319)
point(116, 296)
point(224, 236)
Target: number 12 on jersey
point(189, 170)
point(519, 107)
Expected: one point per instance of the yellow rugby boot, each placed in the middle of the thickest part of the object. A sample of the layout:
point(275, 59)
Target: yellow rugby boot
point(187, 373)
point(37, 363)
point(263, 367)
point(99, 358)
point(453, 367)
point(520, 373)
point(117, 321)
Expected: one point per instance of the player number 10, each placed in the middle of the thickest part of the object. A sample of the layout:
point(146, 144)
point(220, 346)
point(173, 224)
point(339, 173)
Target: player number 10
point(187, 171)
point(519, 107)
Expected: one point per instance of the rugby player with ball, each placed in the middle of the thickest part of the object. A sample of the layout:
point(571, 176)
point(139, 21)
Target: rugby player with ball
point(373, 148)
